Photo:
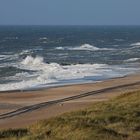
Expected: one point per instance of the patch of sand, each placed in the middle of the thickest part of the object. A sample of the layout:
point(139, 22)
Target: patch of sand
point(10, 101)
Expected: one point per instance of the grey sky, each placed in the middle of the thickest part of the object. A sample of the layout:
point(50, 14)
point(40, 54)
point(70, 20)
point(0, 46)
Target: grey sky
point(70, 12)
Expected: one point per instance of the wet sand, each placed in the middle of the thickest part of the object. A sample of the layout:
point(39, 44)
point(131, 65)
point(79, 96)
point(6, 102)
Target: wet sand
point(59, 100)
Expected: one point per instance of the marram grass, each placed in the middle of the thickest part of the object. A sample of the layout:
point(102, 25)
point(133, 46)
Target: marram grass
point(117, 119)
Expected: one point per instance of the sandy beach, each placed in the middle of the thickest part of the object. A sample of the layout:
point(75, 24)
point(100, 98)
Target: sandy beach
point(27, 107)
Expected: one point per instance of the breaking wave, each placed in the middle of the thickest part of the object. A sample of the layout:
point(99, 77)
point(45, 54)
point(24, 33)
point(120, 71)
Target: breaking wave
point(47, 75)
point(29, 60)
point(2, 57)
point(132, 60)
point(135, 44)
point(84, 47)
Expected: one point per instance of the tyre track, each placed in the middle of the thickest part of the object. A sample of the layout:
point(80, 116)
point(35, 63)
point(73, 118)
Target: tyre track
point(34, 107)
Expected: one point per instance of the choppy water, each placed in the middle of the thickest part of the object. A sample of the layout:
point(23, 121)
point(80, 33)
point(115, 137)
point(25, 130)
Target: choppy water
point(44, 56)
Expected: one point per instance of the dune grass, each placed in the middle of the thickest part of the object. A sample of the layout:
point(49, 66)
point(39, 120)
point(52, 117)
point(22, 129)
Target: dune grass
point(117, 119)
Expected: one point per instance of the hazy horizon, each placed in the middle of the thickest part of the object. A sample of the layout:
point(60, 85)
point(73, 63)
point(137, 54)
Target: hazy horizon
point(62, 12)
point(66, 25)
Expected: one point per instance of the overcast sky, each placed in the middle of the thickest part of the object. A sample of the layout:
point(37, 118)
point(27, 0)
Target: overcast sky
point(70, 12)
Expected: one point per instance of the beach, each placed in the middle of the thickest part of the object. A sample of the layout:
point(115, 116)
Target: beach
point(69, 70)
point(32, 106)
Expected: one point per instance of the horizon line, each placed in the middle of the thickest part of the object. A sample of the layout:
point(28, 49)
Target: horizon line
point(69, 25)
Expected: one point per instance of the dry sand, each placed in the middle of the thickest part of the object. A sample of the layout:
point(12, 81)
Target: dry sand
point(10, 101)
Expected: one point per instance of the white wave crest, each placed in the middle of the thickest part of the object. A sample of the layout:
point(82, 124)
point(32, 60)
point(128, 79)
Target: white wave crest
point(87, 47)
point(132, 60)
point(3, 57)
point(29, 60)
point(135, 44)
point(46, 75)
point(51, 73)
point(117, 39)
point(29, 51)
point(84, 47)
point(60, 48)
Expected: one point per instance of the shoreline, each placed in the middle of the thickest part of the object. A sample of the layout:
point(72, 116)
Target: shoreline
point(65, 85)
point(17, 100)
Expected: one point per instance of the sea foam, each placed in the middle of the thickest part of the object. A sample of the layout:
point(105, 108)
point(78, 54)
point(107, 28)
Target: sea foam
point(135, 44)
point(29, 60)
point(84, 47)
point(53, 74)
point(132, 60)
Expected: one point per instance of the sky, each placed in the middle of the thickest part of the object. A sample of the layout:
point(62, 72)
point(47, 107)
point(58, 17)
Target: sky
point(69, 12)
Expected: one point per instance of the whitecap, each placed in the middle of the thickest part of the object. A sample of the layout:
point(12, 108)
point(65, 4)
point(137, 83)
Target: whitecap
point(47, 75)
point(3, 57)
point(84, 47)
point(30, 61)
point(135, 44)
point(43, 38)
point(132, 60)
point(119, 39)
point(60, 48)
point(116, 45)
point(11, 38)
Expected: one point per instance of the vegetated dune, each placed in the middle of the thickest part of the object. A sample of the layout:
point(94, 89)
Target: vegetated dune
point(116, 119)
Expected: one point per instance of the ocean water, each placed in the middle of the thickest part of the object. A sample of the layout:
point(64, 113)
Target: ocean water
point(46, 56)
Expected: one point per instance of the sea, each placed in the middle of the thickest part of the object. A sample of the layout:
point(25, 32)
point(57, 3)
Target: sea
point(34, 57)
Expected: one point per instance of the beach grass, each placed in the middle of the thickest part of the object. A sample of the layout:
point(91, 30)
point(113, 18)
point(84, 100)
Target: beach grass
point(116, 119)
